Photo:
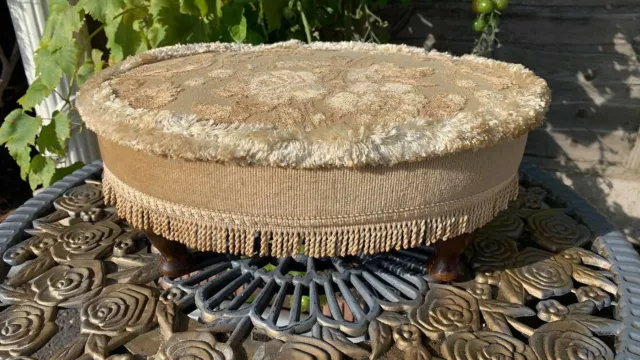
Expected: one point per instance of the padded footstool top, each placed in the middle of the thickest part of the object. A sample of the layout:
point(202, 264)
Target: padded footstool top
point(324, 129)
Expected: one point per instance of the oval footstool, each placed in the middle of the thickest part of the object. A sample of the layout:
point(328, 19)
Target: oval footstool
point(328, 149)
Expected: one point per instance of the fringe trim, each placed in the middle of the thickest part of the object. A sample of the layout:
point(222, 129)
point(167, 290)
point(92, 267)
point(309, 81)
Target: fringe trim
point(208, 231)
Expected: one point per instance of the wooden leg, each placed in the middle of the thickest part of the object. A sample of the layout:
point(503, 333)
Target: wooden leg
point(444, 265)
point(176, 259)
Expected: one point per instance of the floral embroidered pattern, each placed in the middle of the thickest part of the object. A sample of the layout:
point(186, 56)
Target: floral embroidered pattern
point(294, 90)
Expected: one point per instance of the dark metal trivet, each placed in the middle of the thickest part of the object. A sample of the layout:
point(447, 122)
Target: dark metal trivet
point(366, 285)
point(532, 290)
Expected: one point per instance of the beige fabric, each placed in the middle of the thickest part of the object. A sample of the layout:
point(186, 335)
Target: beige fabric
point(337, 211)
point(311, 106)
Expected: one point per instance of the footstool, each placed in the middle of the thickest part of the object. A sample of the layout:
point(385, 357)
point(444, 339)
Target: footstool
point(328, 149)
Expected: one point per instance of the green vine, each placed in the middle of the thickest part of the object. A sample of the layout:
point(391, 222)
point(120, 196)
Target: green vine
point(39, 143)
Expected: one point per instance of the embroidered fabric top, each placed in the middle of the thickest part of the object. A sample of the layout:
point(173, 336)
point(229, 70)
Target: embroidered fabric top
point(319, 105)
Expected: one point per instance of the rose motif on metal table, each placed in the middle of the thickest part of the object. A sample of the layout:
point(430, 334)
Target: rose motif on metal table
point(127, 243)
point(556, 231)
point(551, 310)
point(529, 201)
point(119, 308)
point(85, 241)
point(491, 250)
point(409, 339)
point(489, 277)
point(480, 291)
point(568, 340)
point(446, 310)
point(506, 223)
point(42, 243)
point(34, 246)
point(25, 328)
point(539, 274)
point(17, 255)
point(66, 284)
point(592, 293)
point(79, 199)
point(194, 345)
point(483, 345)
point(305, 347)
point(95, 214)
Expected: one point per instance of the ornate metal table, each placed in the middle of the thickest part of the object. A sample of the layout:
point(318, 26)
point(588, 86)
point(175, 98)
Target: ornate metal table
point(550, 278)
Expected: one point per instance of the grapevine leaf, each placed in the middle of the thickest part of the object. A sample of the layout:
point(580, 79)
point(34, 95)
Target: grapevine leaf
point(19, 130)
point(47, 140)
point(235, 21)
point(47, 68)
point(123, 33)
point(216, 8)
point(123, 39)
point(96, 58)
point(157, 8)
point(84, 72)
point(104, 10)
point(64, 171)
point(51, 64)
point(63, 126)
point(254, 37)
point(23, 159)
point(194, 7)
point(41, 171)
point(67, 57)
point(64, 20)
point(156, 33)
point(171, 27)
point(36, 92)
point(53, 136)
point(273, 13)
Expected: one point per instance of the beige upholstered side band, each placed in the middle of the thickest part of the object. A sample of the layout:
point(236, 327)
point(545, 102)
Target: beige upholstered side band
point(334, 211)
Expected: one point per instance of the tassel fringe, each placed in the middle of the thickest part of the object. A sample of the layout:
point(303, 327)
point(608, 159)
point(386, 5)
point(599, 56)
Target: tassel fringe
point(209, 231)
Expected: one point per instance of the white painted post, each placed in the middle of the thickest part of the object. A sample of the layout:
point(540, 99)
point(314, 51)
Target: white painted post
point(28, 17)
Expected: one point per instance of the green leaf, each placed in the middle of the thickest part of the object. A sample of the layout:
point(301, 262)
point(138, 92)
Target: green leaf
point(36, 92)
point(254, 37)
point(216, 8)
point(123, 39)
point(51, 64)
point(156, 33)
point(233, 18)
point(84, 72)
point(53, 136)
point(23, 159)
point(124, 35)
point(64, 171)
point(103, 10)
point(273, 13)
point(96, 58)
point(19, 130)
point(62, 126)
point(194, 7)
point(64, 20)
point(41, 171)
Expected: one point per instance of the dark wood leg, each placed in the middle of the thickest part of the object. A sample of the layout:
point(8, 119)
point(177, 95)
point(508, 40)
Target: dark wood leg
point(176, 260)
point(444, 265)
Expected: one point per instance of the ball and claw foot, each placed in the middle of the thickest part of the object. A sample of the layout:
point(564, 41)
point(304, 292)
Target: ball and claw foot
point(444, 266)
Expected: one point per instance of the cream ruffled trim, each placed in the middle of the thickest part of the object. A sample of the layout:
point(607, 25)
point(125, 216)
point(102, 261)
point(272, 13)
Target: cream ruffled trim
point(207, 230)
point(239, 143)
